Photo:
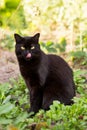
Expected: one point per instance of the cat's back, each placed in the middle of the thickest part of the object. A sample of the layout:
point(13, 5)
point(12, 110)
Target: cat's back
point(57, 60)
point(59, 65)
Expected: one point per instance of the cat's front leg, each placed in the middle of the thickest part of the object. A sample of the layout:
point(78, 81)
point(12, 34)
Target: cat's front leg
point(35, 99)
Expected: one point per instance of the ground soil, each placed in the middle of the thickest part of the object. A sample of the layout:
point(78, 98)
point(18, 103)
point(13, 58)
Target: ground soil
point(8, 66)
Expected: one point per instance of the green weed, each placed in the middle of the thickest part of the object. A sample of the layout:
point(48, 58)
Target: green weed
point(14, 103)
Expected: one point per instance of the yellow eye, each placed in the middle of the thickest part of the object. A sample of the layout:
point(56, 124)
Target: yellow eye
point(33, 47)
point(22, 48)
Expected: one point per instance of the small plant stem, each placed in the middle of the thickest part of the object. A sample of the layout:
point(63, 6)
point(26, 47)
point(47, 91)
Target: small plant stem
point(81, 40)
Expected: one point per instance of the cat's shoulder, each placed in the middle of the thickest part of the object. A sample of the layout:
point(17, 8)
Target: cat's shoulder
point(54, 57)
point(57, 60)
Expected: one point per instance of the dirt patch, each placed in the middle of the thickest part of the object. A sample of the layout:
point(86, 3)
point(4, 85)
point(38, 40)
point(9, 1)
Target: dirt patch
point(8, 66)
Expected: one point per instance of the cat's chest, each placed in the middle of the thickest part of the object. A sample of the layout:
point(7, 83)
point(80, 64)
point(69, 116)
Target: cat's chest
point(31, 75)
point(35, 76)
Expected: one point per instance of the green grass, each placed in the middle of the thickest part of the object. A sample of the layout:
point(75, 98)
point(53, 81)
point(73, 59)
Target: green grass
point(14, 102)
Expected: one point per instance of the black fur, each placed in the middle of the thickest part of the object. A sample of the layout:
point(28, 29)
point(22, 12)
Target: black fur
point(48, 77)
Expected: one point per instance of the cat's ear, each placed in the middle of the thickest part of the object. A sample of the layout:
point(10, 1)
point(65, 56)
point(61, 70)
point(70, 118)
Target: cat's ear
point(36, 37)
point(18, 38)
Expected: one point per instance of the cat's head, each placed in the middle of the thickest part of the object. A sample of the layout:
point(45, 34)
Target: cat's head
point(27, 48)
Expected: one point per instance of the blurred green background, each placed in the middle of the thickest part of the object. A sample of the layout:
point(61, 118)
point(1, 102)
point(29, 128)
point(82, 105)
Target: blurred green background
point(59, 21)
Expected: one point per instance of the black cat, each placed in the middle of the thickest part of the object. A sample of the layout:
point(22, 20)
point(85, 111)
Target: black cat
point(47, 76)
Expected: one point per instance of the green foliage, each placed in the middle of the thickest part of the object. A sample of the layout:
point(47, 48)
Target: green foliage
point(79, 57)
point(14, 104)
point(6, 9)
point(11, 5)
point(67, 117)
point(49, 47)
point(80, 81)
point(62, 44)
point(54, 47)
point(9, 17)
point(48, 17)
point(7, 42)
point(13, 101)
point(83, 38)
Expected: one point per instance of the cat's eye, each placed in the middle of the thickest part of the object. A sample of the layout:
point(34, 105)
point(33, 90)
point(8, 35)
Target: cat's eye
point(22, 48)
point(33, 47)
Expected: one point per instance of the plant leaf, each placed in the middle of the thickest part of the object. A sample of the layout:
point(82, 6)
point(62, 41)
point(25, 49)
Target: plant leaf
point(6, 108)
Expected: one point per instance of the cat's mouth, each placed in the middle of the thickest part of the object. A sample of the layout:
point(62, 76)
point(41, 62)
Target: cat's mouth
point(28, 56)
